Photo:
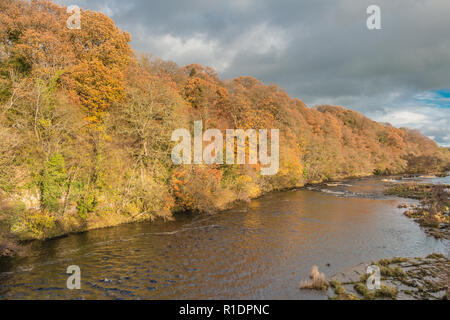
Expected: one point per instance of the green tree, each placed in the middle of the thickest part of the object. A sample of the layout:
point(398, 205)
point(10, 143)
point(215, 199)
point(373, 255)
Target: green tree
point(52, 181)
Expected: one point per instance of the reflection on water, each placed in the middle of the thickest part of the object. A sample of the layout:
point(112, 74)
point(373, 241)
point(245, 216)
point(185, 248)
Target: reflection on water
point(256, 251)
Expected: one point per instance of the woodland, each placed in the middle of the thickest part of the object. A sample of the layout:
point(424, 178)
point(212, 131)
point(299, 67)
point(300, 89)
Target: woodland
point(86, 125)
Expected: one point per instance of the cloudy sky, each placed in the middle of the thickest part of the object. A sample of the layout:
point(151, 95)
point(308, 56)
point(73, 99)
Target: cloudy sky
point(320, 51)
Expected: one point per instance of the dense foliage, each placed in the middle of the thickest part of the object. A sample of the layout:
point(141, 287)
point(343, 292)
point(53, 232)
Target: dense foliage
point(85, 128)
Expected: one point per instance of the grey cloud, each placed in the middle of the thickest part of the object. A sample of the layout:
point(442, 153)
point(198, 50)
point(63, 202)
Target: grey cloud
point(319, 51)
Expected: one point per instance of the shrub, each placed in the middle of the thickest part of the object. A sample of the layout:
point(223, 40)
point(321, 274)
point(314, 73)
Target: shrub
point(35, 224)
point(87, 203)
point(51, 182)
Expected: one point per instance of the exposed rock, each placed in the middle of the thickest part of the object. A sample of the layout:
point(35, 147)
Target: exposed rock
point(401, 279)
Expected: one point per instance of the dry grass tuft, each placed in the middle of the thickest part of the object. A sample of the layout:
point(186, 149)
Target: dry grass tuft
point(317, 281)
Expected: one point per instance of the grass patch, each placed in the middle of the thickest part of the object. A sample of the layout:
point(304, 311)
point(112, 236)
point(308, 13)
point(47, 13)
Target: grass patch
point(386, 262)
point(386, 292)
point(364, 291)
point(392, 272)
point(341, 293)
point(383, 292)
point(435, 256)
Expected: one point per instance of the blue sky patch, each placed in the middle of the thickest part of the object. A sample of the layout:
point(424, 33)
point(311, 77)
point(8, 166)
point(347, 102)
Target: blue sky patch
point(437, 98)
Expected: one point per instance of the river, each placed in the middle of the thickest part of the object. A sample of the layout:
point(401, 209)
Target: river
point(259, 250)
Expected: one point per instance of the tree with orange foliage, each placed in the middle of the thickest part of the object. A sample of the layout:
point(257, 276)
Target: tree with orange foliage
point(93, 60)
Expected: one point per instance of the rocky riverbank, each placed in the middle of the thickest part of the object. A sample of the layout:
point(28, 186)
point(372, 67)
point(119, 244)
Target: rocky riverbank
point(401, 279)
point(433, 212)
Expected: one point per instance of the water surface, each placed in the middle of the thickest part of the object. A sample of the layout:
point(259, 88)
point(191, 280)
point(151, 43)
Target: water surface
point(260, 250)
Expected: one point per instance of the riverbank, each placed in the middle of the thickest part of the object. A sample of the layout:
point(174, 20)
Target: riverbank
point(47, 226)
point(401, 279)
point(60, 226)
point(433, 212)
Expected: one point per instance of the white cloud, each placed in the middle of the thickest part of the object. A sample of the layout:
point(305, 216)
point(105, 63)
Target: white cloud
point(319, 51)
point(406, 118)
point(259, 40)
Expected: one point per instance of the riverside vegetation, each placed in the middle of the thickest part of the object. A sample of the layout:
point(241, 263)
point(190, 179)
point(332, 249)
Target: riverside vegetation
point(433, 212)
point(86, 124)
point(406, 278)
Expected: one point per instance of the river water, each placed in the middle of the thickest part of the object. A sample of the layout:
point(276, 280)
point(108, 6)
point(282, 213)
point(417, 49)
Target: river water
point(259, 250)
